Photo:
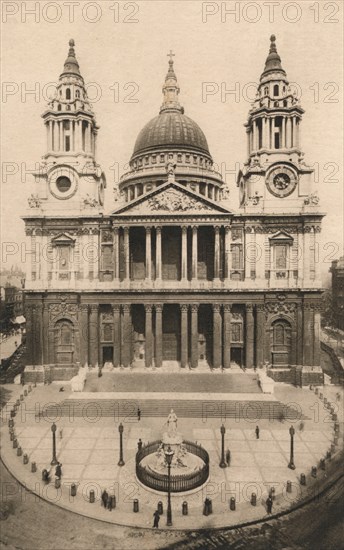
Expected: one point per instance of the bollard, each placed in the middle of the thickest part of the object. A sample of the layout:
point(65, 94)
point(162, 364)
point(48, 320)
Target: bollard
point(336, 427)
point(92, 497)
point(232, 504)
point(328, 455)
point(335, 440)
point(57, 483)
point(21, 397)
point(321, 396)
point(15, 443)
point(302, 479)
point(12, 436)
point(322, 464)
point(314, 471)
point(316, 391)
point(19, 451)
point(33, 467)
point(210, 506)
point(325, 400)
point(113, 501)
point(185, 508)
point(135, 505)
point(332, 410)
point(18, 402)
point(333, 448)
point(30, 388)
point(205, 508)
point(253, 499)
point(160, 508)
point(335, 417)
point(289, 487)
point(13, 413)
point(25, 393)
point(311, 387)
point(11, 423)
point(25, 459)
point(73, 490)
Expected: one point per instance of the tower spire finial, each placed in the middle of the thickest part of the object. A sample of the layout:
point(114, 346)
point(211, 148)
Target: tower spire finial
point(273, 61)
point(171, 88)
point(71, 64)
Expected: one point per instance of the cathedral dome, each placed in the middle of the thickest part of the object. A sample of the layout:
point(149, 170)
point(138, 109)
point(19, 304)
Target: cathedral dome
point(171, 128)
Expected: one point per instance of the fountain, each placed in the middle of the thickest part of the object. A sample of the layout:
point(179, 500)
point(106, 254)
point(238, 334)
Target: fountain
point(189, 466)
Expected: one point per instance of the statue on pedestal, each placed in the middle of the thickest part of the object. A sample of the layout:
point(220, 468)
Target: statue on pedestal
point(172, 423)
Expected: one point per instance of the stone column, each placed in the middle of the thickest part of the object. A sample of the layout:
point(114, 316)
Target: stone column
point(226, 336)
point(126, 254)
point(217, 336)
point(116, 252)
point(248, 136)
point(149, 336)
point(148, 254)
point(272, 133)
point(38, 334)
point(249, 344)
point(45, 333)
point(158, 335)
point(293, 139)
point(227, 252)
point(194, 252)
point(93, 335)
point(84, 337)
point(317, 351)
point(217, 252)
point(288, 133)
point(261, 321)
point(116, 334)
point(194, 335)
point(254, 135)
point(29, 334)
point(283, 141)
point(299, 335)
point(158, 275)
point(61, 148)
point(184, 253)
point(184, 335)
point(126, 336)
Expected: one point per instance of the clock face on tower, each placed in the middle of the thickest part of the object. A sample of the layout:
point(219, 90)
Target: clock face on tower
point(281, 181)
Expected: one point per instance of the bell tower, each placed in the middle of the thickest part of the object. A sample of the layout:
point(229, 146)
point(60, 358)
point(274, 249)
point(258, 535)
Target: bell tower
point(69, 177)
point(275, 168)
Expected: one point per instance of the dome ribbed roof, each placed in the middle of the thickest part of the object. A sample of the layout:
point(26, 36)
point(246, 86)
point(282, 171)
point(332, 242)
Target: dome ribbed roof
point(171, 128)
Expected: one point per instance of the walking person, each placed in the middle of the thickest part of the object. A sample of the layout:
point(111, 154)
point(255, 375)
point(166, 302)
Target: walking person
point(269, 505)
point(257, 432)
point(58, 470)
point(104, 498)
point(139, 445)
point(61, 433)
point(138, 414)
point(109, 503)
point(156, 517)
point(228, 457)
point(301, 426)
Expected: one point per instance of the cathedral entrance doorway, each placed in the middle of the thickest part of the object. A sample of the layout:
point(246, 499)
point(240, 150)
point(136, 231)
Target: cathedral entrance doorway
point(280, 343)
point(171, 333)
point(107, 354)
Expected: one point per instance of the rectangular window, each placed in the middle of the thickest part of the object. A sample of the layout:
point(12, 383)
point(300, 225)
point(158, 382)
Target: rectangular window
point(236, 256)
point(281, 256)
point(67, 143)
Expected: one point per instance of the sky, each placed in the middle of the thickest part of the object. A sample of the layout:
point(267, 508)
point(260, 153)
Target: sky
point(122, 51)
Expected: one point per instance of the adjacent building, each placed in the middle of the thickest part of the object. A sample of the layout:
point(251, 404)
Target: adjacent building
point(176, 273)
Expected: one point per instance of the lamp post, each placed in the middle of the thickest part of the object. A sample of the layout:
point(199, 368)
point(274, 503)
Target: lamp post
point(169, 455)
point(53, 430)
point(223, 462)
point(120, 429)
point(291, 464)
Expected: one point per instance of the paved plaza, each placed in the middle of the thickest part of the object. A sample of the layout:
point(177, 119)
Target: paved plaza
point(88, 449)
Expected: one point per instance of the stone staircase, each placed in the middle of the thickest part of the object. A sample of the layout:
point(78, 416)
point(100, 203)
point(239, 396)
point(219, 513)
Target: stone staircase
point(126, 409)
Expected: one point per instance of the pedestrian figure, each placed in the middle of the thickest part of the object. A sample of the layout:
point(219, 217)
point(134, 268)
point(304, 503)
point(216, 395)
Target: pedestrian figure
point(58, 470)
point(61, 433)
point(138, 414)
point(109, 503)
point(139, 445)
point(228, 457)
point(301, 426)
point(104, 498)
point(338, 396)
point(269, 504)
point(257, 432)
point(156, 517)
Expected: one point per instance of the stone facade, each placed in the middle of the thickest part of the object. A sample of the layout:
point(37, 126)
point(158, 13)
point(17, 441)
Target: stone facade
point(174, 274)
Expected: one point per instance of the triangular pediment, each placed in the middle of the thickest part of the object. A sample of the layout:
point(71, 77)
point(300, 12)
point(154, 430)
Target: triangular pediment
point(63, 238)
point(171, 198)
point(281, 236)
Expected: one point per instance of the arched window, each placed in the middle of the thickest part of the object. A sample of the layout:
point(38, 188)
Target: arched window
point(77, 94)
point(285, 103)
point(59, 107)
point(67, 93)
point(276, 90)
point(266, 90)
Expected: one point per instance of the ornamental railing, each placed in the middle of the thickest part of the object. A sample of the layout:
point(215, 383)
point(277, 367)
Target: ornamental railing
point(178, 483)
